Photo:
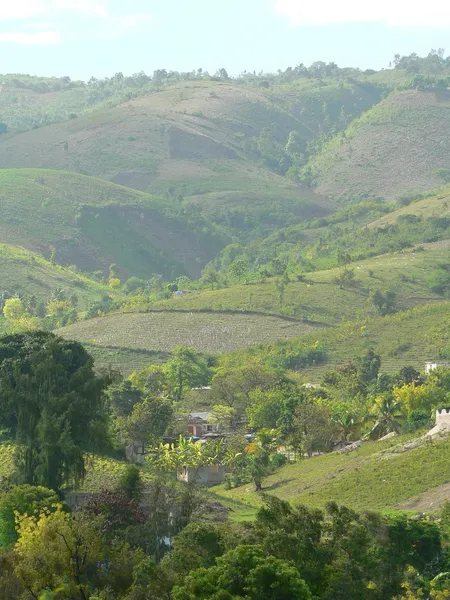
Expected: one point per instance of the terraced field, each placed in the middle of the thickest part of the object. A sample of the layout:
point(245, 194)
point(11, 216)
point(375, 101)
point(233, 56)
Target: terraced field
point(163, 331)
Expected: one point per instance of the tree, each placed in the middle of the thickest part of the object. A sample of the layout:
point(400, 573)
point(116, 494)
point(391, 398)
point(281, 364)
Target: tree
point(221, 415)
point(245, 572)
point(186, 369)
point(22, 500)
point(238, 268)
point(388, 415)
point(3, 128)
point(114, 283)
point(52, 400)
point(13, 309)
point(315, 427)
point(347, 425)
point(384, 303)
point(66, 555)
point(369, 367)
point(123, 397)
point(209, 275)
point(149, 420)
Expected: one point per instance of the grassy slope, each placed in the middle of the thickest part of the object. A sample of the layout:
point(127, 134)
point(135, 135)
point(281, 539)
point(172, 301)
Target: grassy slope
point(319, 299)
point(392, 150)
point(378, 476)
point(93, 223)
point(22, 272)
point(343, 321)
point(187, 138)
point(145, 335)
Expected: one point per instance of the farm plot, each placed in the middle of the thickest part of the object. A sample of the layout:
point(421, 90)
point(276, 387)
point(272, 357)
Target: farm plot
point(163, 331)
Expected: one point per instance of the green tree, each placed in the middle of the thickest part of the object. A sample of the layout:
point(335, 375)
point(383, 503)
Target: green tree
point(13, 309)
point(22, 500)
point(186, 369)
point(384, 303)
point(149, 420)
point(245, 572)
point(388, 416)
point(238, 268)
point(52, 400)
point(210, 275)
point(58, 553)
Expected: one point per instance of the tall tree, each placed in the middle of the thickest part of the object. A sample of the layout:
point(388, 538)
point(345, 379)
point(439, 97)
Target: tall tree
point(53, 402)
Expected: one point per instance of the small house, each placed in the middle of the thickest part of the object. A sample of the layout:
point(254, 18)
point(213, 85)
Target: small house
point(207, 475)
point(135, 453)
point(431, 365)
point(199, 424)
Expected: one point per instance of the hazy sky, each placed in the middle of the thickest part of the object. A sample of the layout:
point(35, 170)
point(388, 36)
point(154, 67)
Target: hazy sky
point(81, 38)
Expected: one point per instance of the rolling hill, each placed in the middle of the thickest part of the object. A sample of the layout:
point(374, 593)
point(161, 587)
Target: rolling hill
point(343, 322)
point(397, 148)
point(217, 145)
point(93, 223)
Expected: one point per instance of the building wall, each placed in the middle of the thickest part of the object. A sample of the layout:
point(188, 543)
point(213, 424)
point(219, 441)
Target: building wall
point(443, 417)
point(434, 364)
point(208, 475)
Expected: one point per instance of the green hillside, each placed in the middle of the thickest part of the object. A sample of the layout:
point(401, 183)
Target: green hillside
point(378, 476)
point(399, 147)
point(318, 297)
point(363, 230)
point(93, 223)
point(142, 336)
point(343, 322)
point(218, 145)
point(25, 273)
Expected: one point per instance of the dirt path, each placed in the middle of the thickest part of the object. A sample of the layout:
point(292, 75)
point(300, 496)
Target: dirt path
point(430, 500)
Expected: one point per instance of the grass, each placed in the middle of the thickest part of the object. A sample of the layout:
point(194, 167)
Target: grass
point(379, 476)
point(130, 340)
point(25, 273)
point(342, 322)
point(375, 158)
point(318, 300)
point(92, 223)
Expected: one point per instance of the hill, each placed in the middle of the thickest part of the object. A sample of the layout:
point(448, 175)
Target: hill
point(342, 322)
point(379, 476)
point(142, 336)
point(397, 148)
point(218, 145)
point(93, 223)
point(25, 273)
point(363, 230)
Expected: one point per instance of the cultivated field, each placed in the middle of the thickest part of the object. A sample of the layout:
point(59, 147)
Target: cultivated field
point(164, 331)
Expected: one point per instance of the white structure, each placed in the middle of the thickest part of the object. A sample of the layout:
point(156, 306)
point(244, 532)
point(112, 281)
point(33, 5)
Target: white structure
point(431, 365)
point(442, 422)
point(207, 475)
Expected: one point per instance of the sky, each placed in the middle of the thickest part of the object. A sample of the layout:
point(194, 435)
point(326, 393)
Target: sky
point(84, 38)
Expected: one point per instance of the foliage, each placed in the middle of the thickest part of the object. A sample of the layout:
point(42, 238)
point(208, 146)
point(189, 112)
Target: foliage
point(52, 401)
point(22, 500)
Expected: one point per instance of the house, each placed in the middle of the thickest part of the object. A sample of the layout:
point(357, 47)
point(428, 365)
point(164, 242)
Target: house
point(431, 365)
point(199, 425)
point(207, 475)
point(135, 453)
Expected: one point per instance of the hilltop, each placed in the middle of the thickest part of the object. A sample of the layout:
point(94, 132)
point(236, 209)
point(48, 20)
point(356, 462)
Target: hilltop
point(220, 146)
point(92, 223)
point(397, 148)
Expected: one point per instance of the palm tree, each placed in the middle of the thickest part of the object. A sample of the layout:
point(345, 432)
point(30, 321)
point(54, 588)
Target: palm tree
point(346, 425)
point(388, 416)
